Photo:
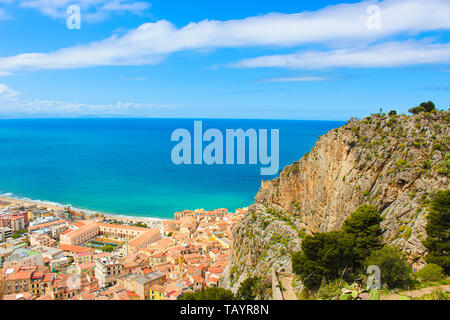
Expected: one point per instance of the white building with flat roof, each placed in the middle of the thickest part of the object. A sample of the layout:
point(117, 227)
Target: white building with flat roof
point(5, 232)
point(107, 271)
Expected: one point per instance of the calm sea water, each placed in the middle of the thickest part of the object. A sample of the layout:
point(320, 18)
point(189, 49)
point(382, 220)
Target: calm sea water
point(123, 166)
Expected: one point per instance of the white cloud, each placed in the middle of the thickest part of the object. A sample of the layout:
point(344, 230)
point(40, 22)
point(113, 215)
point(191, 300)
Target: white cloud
point(11, 103)
point(386, 55)
point(133, 7)
point(91, 10)
point(337, 26)
point(3, 14)
point(7, 94)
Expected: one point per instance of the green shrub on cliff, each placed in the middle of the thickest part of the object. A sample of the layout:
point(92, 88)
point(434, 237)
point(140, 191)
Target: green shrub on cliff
point(424, 107)
point(438, 231)
point(395, 269)
point(364, 226)
point(329, 255)
point(444, 165)
point(210, 294)
point(324, 256)
point(392, 113)
point(250, 289)
point(330, 290)
point(431, 272)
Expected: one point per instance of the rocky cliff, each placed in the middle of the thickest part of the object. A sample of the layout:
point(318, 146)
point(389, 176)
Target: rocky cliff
point(392, 162)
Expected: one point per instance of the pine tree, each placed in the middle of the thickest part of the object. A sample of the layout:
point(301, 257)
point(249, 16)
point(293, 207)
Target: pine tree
point(438, 231)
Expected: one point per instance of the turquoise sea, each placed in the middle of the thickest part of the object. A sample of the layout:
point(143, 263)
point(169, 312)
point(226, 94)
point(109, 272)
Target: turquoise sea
point(123, 166)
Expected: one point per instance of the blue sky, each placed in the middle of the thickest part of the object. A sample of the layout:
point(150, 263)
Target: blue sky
point(305, 59)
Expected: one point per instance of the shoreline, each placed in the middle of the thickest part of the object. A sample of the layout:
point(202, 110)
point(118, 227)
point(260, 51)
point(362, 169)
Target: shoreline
point(8, 197)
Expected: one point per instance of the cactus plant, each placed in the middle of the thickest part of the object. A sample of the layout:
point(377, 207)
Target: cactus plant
point(374, 294)
point(352, 293)
point(345, 296)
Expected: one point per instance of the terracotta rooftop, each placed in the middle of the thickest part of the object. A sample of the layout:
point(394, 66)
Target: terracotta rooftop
point(120, 226)
point(79, 224)
point(82, 229)
point(45, 225)
point(143, 237)
point(71, 248)
point(20, 276)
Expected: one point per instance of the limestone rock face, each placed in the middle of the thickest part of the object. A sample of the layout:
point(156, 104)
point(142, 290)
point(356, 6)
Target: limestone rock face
point(392, 162)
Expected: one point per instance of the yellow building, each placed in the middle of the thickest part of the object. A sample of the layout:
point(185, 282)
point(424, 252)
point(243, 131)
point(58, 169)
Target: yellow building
point(157, 292)
point(225, 243)
point(143, 284)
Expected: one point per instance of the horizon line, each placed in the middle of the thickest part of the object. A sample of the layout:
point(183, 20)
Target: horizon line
point(164, 118)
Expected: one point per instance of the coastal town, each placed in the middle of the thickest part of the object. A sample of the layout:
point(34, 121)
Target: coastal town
point(50, 252)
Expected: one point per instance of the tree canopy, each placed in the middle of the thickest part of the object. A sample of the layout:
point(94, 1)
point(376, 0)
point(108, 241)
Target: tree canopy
point(392, 113)
point(395, 269)
point(140, 224)
point(250, 289)
point(108, 248)
point(210, 294)
point(328, 255)
point(438, 231)
point(364, 226)
point(424, 107)
point(324, 256)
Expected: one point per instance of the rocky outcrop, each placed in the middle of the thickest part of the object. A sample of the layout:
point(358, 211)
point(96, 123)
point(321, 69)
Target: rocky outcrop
point(392, 162)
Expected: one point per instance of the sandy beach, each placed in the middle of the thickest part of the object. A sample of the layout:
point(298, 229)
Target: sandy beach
point(24, 202)
point(55, 207)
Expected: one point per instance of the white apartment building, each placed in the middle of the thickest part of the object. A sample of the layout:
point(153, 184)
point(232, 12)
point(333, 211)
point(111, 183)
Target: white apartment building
point(107, 271)
point(5, 233)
